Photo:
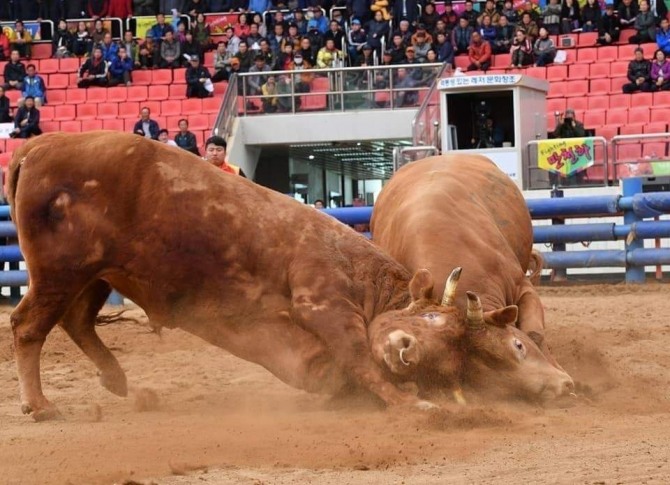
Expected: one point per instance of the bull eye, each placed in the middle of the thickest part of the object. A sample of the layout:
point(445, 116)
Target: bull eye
point(518, 345)
point(429, 316)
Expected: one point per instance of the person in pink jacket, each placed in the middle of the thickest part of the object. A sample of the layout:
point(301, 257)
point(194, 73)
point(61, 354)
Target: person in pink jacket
point(660, 72)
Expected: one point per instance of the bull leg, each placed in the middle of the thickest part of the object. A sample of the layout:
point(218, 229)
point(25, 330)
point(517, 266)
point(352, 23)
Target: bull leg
point(31, 321)
point(79, 323)
point(345, 334)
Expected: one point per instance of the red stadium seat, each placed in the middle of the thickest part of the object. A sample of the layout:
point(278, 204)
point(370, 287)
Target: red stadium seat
point(656, 127)
point(49, 66)
point(649, 50)
point(587, 39)
point(659, 115)
point(65, 112)
point(625, 36)
point(661, 98)
point(314, 103)
point(129, 110)
point(72, 126)
point(502, 60)
point(629, 129)
point(179, 76)
point(47, 112)
point(172, 123)
point(142, 77)
point(113, 124)
point(161, 76)
point(557, 89)
point(75, 96)
point(96, 95)
point(608, 53)
point(212, 119)
point(58, 81)
point(599, 69)
point(638, 115)
point(587, 55)
point(578, 71)
point(69, 64)
point(108, 110)
point(49, 126)
point(219, 89)
point(56, 96)
point(621, 100)
point(178, 91)
point(598, 102)
point(578, 104)
point(599, 86)
point(198, 122)
point(577, 88)
point(211, 105)
point(617, 116)
point(555, 104)
point(594, 118)
point(628, 151)
point(619, 68)
point(607, 132)
point(462, 61)
point(557, 73)
point(154, 107)
point(12, 144)
point(90, 125)
point(13, 96)
point(171, 108)
point(129, 124)
point(538, 72)
point(158, 92)
point(209, 59)
point(642, 99)
point(41, 51)
point(137, 93)
point(117, 94)
point(192, 106)
point(654, 150)
point(87, 111)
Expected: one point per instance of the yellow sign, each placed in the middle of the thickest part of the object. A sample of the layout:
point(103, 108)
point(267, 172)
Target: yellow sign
point(565, 156)
point(144, 24)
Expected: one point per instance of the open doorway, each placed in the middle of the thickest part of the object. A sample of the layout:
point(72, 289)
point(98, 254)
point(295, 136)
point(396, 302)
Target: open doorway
point(482, 120)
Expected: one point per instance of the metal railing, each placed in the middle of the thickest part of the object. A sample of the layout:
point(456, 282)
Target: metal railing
point(404, 155)
point(225, 120)
point(337, 89)
point(640, 155)
point(596, 175)
point(426, 123)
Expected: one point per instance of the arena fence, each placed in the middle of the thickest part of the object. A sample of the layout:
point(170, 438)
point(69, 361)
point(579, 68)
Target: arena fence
point(634, 205)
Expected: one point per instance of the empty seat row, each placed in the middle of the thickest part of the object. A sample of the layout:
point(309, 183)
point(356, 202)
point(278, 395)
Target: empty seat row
point(583, 87)
point(129, 109)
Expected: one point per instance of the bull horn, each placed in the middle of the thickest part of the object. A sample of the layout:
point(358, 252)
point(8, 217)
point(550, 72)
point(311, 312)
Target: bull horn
point(450, 289)
point(475, 314)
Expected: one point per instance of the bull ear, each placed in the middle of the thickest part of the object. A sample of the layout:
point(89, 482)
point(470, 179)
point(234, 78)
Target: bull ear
point(421, 286)
point(502, 316)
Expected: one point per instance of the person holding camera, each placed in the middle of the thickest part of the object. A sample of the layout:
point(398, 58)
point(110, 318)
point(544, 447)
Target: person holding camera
point(567, 126)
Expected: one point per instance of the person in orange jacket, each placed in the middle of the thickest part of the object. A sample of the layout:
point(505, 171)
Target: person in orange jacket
point(479, 53)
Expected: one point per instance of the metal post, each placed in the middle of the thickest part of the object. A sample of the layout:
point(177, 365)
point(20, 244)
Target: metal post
point(657, 245)
point(634, 274)
point(558, 274)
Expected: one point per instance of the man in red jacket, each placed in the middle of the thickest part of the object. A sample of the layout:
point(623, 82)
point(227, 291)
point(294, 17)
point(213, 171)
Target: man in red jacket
point(479, 53)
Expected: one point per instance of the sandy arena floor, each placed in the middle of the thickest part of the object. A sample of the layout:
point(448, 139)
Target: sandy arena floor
point(199, 415)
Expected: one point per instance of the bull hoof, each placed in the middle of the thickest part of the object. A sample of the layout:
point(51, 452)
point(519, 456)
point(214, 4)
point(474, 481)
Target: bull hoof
point(425, 405)
point(47, 414)
point(26, 408)
point(116, 383)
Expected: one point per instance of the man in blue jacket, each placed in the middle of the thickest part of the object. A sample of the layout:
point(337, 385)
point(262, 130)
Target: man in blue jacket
point(33, 86)
point(663, 36)
point(110, 50)
point(120, 69)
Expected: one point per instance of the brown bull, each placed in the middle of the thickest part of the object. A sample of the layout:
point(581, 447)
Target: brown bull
point(462, 210)
point(243, 267)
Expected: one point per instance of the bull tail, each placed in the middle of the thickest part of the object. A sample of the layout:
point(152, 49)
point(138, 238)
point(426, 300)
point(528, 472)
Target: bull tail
point(114, 317)
point(535, 267)
point(12, 183)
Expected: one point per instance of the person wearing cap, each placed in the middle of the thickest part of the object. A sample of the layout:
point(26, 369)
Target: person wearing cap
point(568, 127)
point(356, 39)
point(198, 80)
point(663, 36)
point(609, 28)
point(639, 74)
point(461, 35)
point(479, 53)
point(215, 153)
point(365, 58)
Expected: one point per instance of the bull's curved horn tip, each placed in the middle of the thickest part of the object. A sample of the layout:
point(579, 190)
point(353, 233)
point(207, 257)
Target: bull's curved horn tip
point(456, 273)
point(472, 296)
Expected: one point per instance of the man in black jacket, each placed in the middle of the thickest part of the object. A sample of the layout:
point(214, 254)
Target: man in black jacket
point(196, 79)
point(15, 72)
point(609, 28)
point(639, 73)
point(27, 120)
point(94, 72)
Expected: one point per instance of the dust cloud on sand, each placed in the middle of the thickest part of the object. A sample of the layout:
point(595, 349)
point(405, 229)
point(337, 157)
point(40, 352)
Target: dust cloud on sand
point(196, 414)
